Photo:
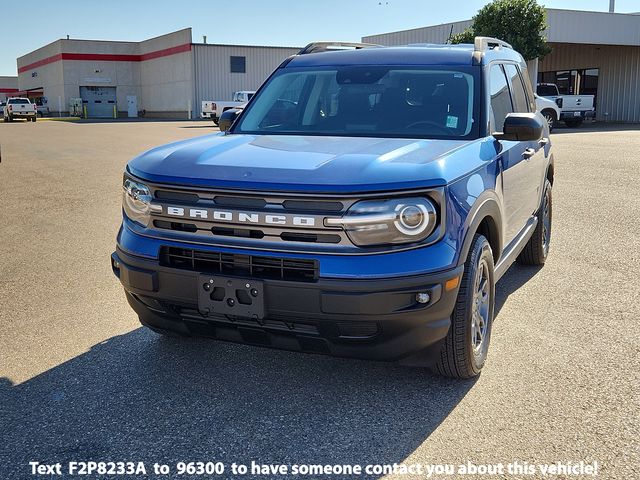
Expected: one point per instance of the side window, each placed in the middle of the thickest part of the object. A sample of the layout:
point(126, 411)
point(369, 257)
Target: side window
point(517, 89)
point(500, 98)
point(526, 79)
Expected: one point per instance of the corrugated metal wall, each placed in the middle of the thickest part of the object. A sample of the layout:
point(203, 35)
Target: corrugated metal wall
point(212, 71)
point(435, 34)
point(619, 77)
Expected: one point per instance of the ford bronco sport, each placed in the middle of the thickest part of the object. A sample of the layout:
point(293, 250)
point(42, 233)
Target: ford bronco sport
point(364, 204)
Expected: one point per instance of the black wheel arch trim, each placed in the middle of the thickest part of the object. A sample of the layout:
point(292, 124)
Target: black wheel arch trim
point(487, 205)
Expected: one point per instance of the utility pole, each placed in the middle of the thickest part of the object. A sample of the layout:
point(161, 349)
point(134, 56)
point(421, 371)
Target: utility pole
point(612, 6)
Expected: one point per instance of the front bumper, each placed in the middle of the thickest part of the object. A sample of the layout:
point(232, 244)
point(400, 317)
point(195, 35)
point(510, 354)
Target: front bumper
point(363, 318)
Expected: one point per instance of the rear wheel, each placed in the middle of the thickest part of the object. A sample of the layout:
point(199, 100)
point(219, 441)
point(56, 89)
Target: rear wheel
point(465, 347)
point(33, 119)
point(536, 250)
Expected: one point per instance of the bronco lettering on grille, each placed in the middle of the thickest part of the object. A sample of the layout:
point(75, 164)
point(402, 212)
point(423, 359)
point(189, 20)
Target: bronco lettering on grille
point(240, 217)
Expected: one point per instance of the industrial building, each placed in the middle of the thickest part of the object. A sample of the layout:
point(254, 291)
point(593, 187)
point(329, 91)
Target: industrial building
point(8, 87)
point(593, 53)
point(166, 76)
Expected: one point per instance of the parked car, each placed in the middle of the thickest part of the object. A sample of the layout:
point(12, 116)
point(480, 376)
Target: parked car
point(574, 109)
point(42, 106)
point(549, 110)
point(369, 214)
point(214, 108)
point(19, 108)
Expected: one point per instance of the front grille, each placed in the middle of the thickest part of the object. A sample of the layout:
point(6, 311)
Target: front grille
point(232, 264)
point(298, 221)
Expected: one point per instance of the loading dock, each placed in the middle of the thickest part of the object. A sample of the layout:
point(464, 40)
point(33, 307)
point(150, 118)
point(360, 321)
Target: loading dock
point(99, 102)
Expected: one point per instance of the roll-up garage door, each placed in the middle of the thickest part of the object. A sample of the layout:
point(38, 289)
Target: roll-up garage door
point(99, 101)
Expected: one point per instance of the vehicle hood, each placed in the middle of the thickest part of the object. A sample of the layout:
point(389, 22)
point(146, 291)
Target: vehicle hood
point(306, 163)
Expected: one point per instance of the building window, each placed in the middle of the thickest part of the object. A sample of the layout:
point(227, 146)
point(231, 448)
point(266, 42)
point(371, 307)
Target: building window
point(238, 64)
point(573, 82)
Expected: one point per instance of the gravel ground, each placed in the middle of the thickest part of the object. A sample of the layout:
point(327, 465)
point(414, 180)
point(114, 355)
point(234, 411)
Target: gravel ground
point(79, 380)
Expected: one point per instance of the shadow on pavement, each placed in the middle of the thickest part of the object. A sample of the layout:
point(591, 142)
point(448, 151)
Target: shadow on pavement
point(516, 276)
point(140, 397)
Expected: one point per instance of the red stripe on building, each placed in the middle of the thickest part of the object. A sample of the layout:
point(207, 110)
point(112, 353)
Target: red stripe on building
point(39, 63)
point(8, 90)
point(166, 52)
point(107, 57)
point(102, 57)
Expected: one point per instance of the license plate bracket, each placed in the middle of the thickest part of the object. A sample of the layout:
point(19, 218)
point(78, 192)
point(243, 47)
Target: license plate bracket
point(230, 296)
point(577, 114)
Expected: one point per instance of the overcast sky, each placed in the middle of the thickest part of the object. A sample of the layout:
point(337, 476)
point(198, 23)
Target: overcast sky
point(255, 22)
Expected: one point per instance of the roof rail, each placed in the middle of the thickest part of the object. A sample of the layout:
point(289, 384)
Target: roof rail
point(482, 44)
point(316, 47)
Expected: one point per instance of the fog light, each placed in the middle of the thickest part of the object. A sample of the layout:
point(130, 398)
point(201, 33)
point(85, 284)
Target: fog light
point(422, 297)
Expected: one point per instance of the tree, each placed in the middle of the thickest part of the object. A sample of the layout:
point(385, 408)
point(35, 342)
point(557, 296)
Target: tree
point(521, 23)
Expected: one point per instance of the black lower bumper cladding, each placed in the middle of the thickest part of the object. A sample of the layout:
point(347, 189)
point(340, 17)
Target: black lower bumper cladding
point(362, 318)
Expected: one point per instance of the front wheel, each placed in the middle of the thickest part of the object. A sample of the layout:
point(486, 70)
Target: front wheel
point(465, 347)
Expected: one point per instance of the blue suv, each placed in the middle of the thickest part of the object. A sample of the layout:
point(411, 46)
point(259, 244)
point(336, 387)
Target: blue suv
point(363, 204)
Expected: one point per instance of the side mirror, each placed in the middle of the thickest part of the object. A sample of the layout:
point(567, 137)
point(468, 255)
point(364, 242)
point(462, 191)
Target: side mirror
point(521, 127)
point(227, 118)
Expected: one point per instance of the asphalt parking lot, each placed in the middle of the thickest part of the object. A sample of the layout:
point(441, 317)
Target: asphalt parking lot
point(80, 380)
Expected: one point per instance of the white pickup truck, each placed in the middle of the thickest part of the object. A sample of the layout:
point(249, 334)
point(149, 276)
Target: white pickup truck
point(573, 108)
point(19, 108)
point(549, 110)
point(214, 108)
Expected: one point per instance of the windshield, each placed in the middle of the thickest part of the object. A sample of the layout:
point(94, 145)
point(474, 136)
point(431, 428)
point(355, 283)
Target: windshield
point(371, 100)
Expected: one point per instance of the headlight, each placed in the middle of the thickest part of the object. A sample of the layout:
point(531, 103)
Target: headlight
point(136, 201)
point(378, 222)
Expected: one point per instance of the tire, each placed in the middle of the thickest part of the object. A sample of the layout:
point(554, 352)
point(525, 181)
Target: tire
point(551, 118)
point(465, 347)
point(536, 250)
point(34, 119)
point(10, 118)
point(573, 123)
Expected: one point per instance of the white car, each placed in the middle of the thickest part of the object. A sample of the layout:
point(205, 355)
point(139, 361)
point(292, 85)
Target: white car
point(214, 108)
point(19, 108)
point(573, 108)
point(549, 110)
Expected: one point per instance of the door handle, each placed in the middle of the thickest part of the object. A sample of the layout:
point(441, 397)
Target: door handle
point(528, 153)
